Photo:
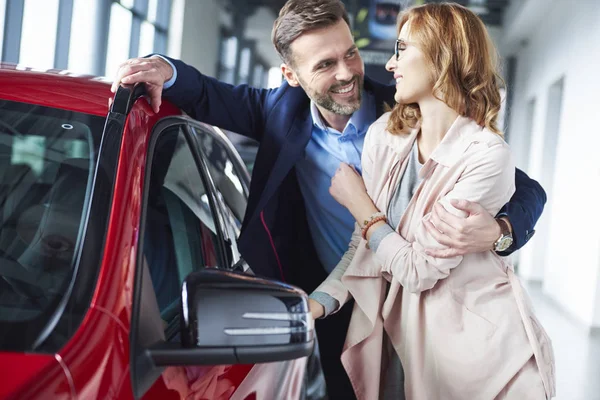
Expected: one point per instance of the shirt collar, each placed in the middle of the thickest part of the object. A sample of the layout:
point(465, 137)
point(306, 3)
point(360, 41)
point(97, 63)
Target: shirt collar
point(456, 141)
point(359, 121)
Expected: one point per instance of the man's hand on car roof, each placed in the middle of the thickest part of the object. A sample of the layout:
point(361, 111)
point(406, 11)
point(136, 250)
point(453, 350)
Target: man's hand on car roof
point(153, 71)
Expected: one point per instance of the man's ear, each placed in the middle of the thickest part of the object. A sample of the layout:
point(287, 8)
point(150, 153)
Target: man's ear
point(289, 75)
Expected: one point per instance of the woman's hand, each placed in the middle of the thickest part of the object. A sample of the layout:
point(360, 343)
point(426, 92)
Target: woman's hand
point(348, 189)
point(316, 309)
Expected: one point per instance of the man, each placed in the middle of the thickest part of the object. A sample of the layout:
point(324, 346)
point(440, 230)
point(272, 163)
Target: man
point(293, 229)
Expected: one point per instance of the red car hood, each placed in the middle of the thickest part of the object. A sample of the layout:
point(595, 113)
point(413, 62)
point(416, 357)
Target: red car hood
point(18, 369)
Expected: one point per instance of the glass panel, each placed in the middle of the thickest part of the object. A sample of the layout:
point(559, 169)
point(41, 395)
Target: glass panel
point(83, 29)
point(224, 172)
point(228, 55)
point(169, 10)
point(180, 234)
point(175, 28)
point(160, 43)
point(258, 77)
point(47, 160)
point(146, 39)
point(127, 3)
point(245, 56)
point(152, 9)
point(38, 35)
point(274, 78)
point(2, 12)
point(118, 38)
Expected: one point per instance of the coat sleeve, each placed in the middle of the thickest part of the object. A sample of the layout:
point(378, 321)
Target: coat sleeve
point(333, 285)
point(487, 179)
point(523, 210)
point(240, 109)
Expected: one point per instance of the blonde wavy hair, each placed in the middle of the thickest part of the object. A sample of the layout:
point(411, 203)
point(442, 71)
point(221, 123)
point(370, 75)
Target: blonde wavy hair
point(464, 64)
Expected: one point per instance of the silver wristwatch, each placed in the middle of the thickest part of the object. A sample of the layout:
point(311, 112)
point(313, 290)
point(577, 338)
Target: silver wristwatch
point(505, 240)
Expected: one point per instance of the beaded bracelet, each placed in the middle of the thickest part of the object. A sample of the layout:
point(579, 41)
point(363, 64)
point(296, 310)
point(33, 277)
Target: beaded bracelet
point(370, 223)
point(372, 217)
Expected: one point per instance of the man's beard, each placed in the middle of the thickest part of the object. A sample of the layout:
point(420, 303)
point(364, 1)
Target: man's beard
point(326, 100)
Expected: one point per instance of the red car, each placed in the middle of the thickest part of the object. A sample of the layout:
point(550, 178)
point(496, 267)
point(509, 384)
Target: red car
point(119, 272)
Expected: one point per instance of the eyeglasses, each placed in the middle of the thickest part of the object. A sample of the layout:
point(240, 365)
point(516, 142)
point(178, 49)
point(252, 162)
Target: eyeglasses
point(397, 47)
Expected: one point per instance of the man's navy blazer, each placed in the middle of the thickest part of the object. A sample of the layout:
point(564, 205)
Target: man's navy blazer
point(275, 239)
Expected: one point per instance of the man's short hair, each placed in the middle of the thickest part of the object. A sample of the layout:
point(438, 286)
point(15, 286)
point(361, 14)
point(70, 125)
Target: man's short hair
point(298, 17)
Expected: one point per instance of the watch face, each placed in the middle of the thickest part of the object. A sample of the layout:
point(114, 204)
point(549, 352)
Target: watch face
point(504, 243)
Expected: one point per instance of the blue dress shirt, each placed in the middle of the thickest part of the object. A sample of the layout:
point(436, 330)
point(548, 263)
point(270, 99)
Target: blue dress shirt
point(330, 223)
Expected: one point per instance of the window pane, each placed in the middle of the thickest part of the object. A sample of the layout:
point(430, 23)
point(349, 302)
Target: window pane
point(175, 28)
point(38, 35)
point(83, 28)
point(146, 39)
point(119, 36)
point(180, 234)
point(47, 159)
point(224, 172)
point(168, 9)
point(228, 55)
point(128, 3)
point(160, 44)
point(274, 78)
point(258, 77)
point(152, 8)
point(2, 11)
point(245, 56)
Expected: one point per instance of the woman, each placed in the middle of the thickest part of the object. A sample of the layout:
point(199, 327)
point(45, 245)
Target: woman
point(462, 327)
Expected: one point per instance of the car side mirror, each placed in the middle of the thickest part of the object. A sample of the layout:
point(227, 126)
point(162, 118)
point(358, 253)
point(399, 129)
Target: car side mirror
point(234, 318)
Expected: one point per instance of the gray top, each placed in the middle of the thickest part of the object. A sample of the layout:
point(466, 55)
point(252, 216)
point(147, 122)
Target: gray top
point(402, 195)
point(404, 192)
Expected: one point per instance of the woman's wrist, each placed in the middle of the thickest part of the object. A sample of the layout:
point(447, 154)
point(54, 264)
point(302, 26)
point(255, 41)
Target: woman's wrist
point(363, 210)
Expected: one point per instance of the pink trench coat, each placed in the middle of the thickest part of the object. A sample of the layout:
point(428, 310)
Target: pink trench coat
point(463, 327)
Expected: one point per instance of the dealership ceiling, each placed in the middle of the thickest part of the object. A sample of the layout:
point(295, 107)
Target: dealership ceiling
point(490, 11)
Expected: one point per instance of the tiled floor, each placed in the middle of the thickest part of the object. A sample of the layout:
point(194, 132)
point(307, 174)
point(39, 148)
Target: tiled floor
point(577, 352)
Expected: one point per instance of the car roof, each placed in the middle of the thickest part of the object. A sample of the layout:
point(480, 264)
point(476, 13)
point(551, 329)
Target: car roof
point(55, 88)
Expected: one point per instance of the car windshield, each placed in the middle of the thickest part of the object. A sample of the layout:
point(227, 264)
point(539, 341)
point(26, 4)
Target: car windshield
point(47, 163)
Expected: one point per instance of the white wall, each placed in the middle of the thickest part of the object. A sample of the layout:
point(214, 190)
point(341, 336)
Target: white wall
point(562, 41)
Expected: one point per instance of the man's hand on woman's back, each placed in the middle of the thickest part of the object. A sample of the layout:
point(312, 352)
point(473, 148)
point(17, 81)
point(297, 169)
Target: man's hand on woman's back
point(153, 71)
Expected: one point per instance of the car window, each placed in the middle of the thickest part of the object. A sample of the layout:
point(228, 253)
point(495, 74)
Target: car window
point(180, 231)
point(47, 161)
point(225, 172)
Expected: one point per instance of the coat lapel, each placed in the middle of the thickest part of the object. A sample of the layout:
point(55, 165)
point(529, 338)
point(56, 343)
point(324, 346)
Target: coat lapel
point(292, 149)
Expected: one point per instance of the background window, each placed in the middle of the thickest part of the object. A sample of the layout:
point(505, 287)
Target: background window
point(258, 76)
point(152, 10)
point(245, 56)
point(147, 33)
point(2, 16)
point(82, 51)
point(227, 59)
point(38, 34)
point(118, 38)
